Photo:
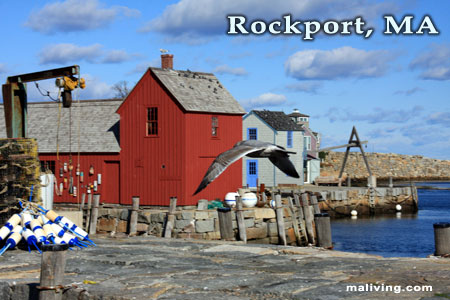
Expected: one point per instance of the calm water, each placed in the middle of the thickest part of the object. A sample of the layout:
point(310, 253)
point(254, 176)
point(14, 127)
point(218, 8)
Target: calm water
point(408, 235)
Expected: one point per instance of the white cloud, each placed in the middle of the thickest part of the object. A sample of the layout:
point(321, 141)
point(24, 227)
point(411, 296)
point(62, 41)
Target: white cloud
point(65, 53)
point(117, 56)
point(202, 19)
point(378, 115)
point(225, 69)
point(409, 92)
point(344, 62)
point(310, 87)
point(434, 63)
point(75, 15)
point(264, 100)
point(95, 89)
point(439, 118)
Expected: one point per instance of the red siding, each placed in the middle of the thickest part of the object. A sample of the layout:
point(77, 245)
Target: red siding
point(202, 149)
point(97, 160)
point(174, 162)
point(151, 167)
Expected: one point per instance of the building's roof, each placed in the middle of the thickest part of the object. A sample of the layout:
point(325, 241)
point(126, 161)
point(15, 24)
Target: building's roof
point(198, 92)
point(278, 120)
point(297, 114)
point(99, 126)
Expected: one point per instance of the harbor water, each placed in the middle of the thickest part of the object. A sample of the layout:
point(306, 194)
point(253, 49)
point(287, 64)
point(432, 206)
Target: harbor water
point(401, 235)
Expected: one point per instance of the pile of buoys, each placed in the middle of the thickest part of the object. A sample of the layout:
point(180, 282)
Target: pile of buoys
point(36, 225)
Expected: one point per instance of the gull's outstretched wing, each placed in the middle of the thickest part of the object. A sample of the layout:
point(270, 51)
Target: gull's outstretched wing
point(282, 161)
point(225, 159)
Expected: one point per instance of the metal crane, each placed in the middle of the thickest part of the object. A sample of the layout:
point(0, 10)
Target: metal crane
point(15, 95)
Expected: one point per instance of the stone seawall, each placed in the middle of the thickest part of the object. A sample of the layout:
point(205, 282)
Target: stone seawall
point(384, 165)
point(260, 223)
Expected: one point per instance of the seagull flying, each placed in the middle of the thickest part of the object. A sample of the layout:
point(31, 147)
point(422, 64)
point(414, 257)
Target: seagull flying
point(251, 148)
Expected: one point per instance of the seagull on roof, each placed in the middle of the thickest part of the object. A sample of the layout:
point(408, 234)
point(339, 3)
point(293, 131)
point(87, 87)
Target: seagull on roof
point(278, 155)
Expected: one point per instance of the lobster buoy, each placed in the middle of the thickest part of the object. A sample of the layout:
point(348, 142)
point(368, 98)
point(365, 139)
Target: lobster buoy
point(95, 186)
point(31, 239)
point(91, 170)
point(14, 239)
point(9, 226)
point(99, 178)
point(38, 231)
point(81, 176)
point(26, 219)
point(65, 167)
point(61, 188)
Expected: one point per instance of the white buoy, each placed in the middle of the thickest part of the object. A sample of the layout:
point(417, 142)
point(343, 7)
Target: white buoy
point(249, 200)
point(354, 213)
point(230, 199)
point(398, 207)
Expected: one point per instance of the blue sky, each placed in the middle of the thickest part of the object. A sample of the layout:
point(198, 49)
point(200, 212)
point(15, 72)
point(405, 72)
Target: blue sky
point(395, 89)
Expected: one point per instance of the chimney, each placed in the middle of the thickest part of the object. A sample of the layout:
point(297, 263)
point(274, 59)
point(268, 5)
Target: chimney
point(167, 61)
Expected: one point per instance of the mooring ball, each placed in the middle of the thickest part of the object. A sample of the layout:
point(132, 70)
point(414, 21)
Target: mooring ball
point(398, 207)
point(230, 199)
point(354, 213)
point(249, 200)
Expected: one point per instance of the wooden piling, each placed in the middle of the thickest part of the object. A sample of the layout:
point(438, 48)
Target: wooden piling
point(349, 181)
point(323, 230)
point(53, 263)
point(94, 215)
point(83, 198)
point(134, 215)
point(391, 182)
point(315, 204)
point(88, 212)
point(294, 222)
point(280, 219)
point(308, 218)
point(240, 220)
point(170, 218)
point(225, 223)
point(442, 238)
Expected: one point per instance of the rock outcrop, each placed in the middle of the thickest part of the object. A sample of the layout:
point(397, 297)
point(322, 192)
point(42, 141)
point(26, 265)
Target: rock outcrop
point(384, 165)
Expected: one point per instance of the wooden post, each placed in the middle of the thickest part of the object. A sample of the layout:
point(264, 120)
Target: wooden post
point(280, 219)
point(391, 183)
point(88, 212)
point(301, 217)
point(83, 198)
point(134, 215)
point(349, 181)
point(225, 223)
point(323, 230)
point(294, 222)
point(53, 263)
point(94, 215)
point(442, 238)
point(315, 204)
point(240, 220)
point(308, 218)
point(170, 218)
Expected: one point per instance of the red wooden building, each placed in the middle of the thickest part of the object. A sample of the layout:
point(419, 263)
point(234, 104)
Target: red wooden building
point(97, 126)
point(172, 126)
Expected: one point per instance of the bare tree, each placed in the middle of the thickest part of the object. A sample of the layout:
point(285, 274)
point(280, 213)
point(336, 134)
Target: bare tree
point(121, 89)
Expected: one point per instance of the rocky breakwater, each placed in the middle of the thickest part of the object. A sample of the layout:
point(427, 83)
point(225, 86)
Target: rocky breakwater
point(385, 165)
